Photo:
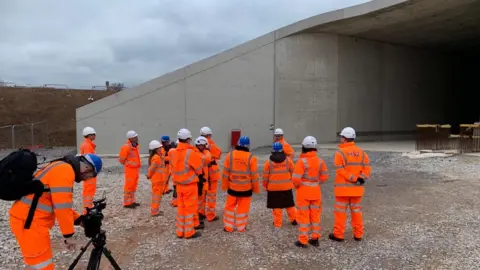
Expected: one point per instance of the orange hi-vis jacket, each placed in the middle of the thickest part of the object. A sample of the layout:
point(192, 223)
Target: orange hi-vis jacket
point(350, 162)
point(186, 164)
point(240, 172)
point(287, 148)
point(129, 155)
point(58, 177)
point(170, 151)
point(216, 153)
point(310, 172)
point(156, 170)
point(206, 159)
point(278, 176)
point(87, 147)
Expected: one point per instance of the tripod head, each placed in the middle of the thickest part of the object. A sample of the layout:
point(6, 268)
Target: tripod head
point(93, 218)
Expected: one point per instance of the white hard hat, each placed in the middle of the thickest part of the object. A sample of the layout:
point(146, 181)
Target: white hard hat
point(348, 133)
point(309, 142)
point(131, 134)
point(88, 131)
point(201, 141)
point(184, 134)
point(278, 131)
point(154, 145)
point(205, 131)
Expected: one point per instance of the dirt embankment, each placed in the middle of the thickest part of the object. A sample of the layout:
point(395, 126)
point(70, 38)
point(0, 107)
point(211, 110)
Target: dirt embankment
point(54, 107)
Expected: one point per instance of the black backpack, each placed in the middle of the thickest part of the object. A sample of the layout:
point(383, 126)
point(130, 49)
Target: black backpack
point(16, 179)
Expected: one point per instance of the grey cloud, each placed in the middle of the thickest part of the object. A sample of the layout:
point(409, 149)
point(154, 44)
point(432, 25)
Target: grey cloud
point(85, 43)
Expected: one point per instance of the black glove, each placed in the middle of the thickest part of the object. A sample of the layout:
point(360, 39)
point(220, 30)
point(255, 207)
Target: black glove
point(360, 181)
point(79, 220)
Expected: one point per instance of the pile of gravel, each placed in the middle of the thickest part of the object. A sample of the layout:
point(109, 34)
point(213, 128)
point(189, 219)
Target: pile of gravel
point(418, 214)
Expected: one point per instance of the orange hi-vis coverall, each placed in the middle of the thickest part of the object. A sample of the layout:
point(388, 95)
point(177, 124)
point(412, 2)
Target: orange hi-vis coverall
point(130, 158)
point(350, 162)
point(169, 166)
point(206, 159)
point(287, 148)
point(310, 172)
point(278, 177)
point(186, 166)
point(156, 174)
point(89, 185)
point(214, 177)
point(54, 204)
point(166, 159)
point(239, 179)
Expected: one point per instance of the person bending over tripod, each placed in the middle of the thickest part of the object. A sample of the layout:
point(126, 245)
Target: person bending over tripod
point(33, 215)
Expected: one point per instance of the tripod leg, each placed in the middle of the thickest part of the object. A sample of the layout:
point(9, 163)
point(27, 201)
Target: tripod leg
point(95, 257)
point(110, 258)
point(83, 249)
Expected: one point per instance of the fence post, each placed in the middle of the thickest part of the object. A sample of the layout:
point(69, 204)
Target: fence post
point(32, 135)
point(13, 137)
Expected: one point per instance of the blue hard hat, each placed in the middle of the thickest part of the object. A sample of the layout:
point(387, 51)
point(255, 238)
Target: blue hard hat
point(277, 147)
point(95, 161)
point(165, 138)
point(244, 141)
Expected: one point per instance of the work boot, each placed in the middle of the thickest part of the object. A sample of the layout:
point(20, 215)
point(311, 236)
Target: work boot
point(214, 219)
point(313, 242)
point(195, 235)
point(332, 237)
point(298, 244)
point(136, 204)
point(201, 216)
point(158, 214)
point(357, 239)
point(130, 206)
point(294, 223)
point(200, 227)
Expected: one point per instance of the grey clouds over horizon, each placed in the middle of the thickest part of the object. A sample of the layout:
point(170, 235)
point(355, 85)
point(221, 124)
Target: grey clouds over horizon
point(85, 43)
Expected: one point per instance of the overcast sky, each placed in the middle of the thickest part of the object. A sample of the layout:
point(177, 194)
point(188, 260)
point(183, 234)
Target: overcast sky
point(84, 43)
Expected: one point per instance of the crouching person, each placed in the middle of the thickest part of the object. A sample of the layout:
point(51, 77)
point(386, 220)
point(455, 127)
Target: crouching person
point(277, 181)
point(31, 226)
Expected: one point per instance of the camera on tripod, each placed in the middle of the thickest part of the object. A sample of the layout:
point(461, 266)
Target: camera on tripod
point(92, 221)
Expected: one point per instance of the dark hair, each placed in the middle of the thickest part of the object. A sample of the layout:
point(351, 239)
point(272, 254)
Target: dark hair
point(348, 139)
point(306, 150)
point(183, 140)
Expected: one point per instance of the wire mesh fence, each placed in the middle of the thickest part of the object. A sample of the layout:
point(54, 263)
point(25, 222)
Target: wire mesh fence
point(31, 135)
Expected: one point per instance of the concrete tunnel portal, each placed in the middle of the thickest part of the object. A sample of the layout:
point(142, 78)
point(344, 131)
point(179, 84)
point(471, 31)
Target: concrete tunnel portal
point(449, 34)
point(381, 67)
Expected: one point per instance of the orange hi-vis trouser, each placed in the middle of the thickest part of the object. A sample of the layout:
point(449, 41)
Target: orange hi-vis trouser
point(130, 185)
point(187, 217)
point(278, 215)
point(340, 214)
point(157, 193)
point(88, 193)
point(238, 220)
point(34, 244)
point(211, 200)
point(201, 203)
point(308, 217)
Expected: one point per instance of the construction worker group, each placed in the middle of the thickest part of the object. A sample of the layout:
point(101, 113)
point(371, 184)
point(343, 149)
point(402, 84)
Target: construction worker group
point(194, 171)
point(192, 166)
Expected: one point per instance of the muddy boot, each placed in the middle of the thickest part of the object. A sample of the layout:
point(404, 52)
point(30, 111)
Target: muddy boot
point(130, 206)
point(357, 239)
point(136, 204)
point(197, 234)
point(201, 216)
point(298, 244)
point(313, 242)
point(333, 238)
point(200, 227)
point(294, 223)
point(159, 214)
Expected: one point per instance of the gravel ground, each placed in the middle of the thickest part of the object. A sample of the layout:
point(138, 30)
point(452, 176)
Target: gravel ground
point(419, 214)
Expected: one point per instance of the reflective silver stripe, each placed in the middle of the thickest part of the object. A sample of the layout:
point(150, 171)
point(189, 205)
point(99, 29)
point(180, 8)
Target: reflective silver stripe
point(303, 225)
point(40, 206)
point(314, 206)
point(296, 175)
point(302, 207)
point(40, 265)
point(185, 223)
point(59, 206)
point(346, 185)
point(241, 215)
point(229, 213)
point(229, 219)
point(185, 164)
point(282, 181)
point(309, 184)
point(61, 189)
point(356, 210)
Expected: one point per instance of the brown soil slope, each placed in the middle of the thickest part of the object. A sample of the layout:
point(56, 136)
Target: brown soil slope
point(54, 106)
